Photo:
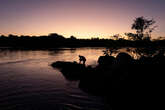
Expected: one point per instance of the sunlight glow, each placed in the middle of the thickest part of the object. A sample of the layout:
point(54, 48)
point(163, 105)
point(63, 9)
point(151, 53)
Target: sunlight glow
point(82, 19)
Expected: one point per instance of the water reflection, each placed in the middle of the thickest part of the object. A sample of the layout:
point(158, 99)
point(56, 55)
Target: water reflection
point(28, 82)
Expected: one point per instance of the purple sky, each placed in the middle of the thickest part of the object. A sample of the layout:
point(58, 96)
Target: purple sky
point(81, 18)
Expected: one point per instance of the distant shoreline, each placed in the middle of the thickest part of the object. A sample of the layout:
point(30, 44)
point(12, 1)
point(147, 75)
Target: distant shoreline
point(55, 41)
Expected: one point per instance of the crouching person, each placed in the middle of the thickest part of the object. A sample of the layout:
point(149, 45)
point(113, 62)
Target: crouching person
point(82, 59)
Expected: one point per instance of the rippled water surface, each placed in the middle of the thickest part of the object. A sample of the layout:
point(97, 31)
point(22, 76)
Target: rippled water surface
point(28, 82)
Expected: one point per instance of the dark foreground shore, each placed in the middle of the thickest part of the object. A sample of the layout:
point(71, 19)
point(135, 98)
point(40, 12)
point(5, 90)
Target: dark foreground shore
point(124, 82)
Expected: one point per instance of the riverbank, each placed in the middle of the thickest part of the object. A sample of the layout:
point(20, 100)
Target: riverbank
point(124, 82)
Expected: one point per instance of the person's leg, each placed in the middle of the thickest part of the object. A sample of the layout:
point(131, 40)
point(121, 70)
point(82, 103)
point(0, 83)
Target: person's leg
point(83, 62)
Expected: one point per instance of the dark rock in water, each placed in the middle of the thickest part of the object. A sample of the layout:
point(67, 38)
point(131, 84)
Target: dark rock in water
point(92, 80)
point(123, 58)
point(106, 60)
point(71, 70)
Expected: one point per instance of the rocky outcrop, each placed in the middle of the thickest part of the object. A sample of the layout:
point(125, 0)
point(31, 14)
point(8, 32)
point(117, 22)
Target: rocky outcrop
point(122, 80)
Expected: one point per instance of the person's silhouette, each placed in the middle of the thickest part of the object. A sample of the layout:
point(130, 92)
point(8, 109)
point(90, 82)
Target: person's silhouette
point(82, 59)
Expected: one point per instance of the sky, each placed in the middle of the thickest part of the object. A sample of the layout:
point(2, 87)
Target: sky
point(80, 18)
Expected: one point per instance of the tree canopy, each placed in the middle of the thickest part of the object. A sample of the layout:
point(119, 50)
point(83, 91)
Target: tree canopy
point(144, 27)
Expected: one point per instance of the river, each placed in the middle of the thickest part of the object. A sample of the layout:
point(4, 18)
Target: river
point(28, 82)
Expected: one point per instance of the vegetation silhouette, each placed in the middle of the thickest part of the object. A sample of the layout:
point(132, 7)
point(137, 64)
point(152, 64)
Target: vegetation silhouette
point(143, 29)
point(56, 41)
point(142, 38)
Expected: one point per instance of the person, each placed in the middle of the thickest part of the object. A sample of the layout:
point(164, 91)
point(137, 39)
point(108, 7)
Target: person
point(82, 59)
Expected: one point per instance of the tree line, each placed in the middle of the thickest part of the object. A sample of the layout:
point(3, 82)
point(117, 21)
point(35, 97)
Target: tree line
point(141, 38)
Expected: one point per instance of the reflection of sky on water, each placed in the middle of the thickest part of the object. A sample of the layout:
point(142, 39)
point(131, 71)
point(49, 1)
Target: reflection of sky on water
point(26, 79)
point(66, 54)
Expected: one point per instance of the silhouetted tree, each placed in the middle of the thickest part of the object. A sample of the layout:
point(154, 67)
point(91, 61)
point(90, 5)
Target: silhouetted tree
point(57, 36)
point(143, 28)
point(132, 36)
point(117, 36)
point(73, 38)
point(12, 36)
point(2, 36)
point(110, 51)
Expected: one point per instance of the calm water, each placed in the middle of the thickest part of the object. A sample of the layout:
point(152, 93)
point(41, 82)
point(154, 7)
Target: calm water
point(28, 82)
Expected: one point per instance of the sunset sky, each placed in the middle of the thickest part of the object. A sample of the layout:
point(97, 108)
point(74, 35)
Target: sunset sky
point(81, 18)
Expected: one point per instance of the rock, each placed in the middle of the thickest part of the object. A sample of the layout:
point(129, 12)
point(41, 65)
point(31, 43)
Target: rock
point(106, 60)
point(123, 59)
point(71, 70)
